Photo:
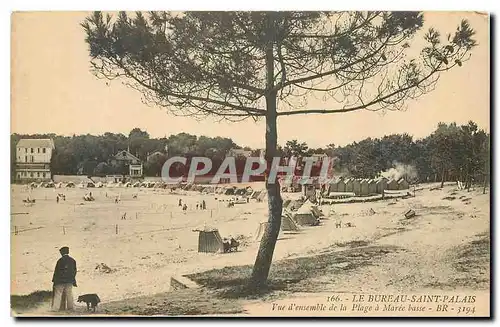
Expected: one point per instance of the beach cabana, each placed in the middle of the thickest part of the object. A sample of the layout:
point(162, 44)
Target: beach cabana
point(210, 241)
point(229, 191)
point(304, 216)
point(372, 186)
point(364, 188)
point(381, 185)
point(288, 224)
point(349, 185)
point(317, 212)
point(403, 184)
point(392, 185)
point(255, 195)
point(241, 191)
point(356, 186)
point(294, 205)
point(341, 185)
point(332, 187)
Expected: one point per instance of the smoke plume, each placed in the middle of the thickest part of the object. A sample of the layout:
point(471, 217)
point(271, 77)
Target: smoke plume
point(408, 172)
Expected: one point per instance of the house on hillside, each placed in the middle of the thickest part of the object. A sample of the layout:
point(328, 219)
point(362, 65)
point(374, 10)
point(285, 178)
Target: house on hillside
point(126, 159)
point(33, 159)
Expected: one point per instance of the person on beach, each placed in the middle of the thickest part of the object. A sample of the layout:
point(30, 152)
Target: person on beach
point(203, 205)
point(63, 281)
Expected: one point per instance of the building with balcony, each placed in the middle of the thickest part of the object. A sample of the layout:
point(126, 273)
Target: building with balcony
point(33, 159)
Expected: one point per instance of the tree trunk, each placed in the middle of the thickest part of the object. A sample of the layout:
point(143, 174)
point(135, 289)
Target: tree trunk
point(485, 182)
point(442, 177)
point(275, 203)
point(466, 186)
point(268, 242)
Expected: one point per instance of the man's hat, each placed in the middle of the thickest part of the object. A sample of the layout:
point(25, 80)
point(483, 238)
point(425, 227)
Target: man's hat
point(64, 250)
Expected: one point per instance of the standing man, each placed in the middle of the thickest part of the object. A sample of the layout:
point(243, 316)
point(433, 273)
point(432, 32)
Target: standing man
point(64, 280)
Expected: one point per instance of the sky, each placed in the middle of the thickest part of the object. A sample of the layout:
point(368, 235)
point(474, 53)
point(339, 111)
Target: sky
point(53, 91)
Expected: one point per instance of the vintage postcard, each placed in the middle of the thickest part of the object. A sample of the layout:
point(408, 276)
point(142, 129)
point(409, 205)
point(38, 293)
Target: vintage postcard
point(250, 164)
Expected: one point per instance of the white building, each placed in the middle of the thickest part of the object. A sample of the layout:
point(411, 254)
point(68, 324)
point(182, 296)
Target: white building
point(126, 159)
point(33, 159)
point(239, 153)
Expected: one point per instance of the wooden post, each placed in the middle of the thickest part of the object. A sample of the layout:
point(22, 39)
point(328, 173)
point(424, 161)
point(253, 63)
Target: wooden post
point(210, 213)
point(64, 230)
point(116, 229)
point(15, 230)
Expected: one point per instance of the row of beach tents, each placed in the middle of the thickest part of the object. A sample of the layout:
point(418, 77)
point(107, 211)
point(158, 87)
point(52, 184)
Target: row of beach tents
point(364, 187)
point(223, 190)
point(91, 184)
point(246, 192)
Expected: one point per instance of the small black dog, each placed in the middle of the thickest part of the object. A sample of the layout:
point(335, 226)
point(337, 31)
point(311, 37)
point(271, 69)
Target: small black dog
point(91, 300)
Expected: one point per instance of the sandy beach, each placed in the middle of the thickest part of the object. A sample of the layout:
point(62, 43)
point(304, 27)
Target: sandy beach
point(156, 241)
